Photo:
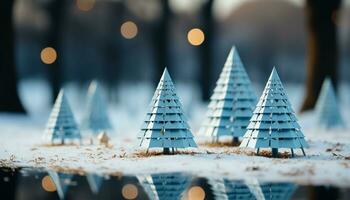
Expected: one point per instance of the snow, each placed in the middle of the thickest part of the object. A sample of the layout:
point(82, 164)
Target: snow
point(327, 161)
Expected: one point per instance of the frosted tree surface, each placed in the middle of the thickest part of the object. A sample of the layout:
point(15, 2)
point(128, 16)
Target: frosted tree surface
point(167, 186)
point(61, 181)
point(96, 116)
point(61, 125)
point(273, 124)
point(327, 108)
point(232, 103)
point(165, 125)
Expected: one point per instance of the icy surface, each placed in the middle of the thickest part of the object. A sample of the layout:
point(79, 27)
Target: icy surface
point(327, 160)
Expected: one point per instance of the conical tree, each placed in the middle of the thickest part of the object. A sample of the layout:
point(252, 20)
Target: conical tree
point(231, 106)
point(165, 125)
point(96, 116)
point(273, 124)
point(61, 125)
point(327, 109)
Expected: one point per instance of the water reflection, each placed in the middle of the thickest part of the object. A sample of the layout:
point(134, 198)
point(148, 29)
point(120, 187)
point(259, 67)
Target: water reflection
point(61, 181)
point(169, 186)
point(28, 184)
point(95, 182)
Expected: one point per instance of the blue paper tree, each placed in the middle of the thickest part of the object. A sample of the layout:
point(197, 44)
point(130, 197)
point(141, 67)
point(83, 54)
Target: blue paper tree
point(165, 125)
point(61, 125)
point(231, 106)
point(327, 109)
point(273, 124)
point(96, 116)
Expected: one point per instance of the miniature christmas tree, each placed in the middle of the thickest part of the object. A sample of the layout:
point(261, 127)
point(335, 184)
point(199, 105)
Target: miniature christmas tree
point(327, 107)
point(168, 186)
point(273, 124)
point(231, 106)
point(61, 181)
point(96, 118)
point(165, 125)
point(61, 125)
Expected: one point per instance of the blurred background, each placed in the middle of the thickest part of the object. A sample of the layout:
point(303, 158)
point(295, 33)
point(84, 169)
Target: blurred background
point(123, 43)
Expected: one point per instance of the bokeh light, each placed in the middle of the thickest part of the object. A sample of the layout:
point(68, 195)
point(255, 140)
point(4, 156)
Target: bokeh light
point(129, 30)
point(195, 37)
point(47, 184)
point(48, 55)
point(130, 191)
point(196, 193)
point(85, 5)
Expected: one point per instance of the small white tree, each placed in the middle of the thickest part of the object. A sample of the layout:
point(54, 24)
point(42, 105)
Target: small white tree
point(96, 116)
point(273, 124)
point(61, 125)
point(232, 103)
point(165, 125)
point(327, 108)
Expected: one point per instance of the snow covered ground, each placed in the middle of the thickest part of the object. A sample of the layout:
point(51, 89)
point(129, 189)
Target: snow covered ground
point(327, 160)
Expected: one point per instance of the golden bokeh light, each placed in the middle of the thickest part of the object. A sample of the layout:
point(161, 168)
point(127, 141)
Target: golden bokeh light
point(85, 5)
point(130, 191)
point(129, 30)
point(195, 37)
point(47, 184)
point(196, 193)
point(48, 55)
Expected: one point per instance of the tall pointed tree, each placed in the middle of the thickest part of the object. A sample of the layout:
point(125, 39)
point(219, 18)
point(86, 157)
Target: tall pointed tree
point(232, 103)
point(273, 124)
point(61, 125)
point(96, 116)
point(165, 125)
point(327, 109)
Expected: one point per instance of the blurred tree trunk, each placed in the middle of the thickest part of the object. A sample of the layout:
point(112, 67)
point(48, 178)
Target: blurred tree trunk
point(322, 47)
point(9, 99)
point(323, 193)
point(54, 37)
point(111, 49)
point(206, 50)
point(160, 39)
